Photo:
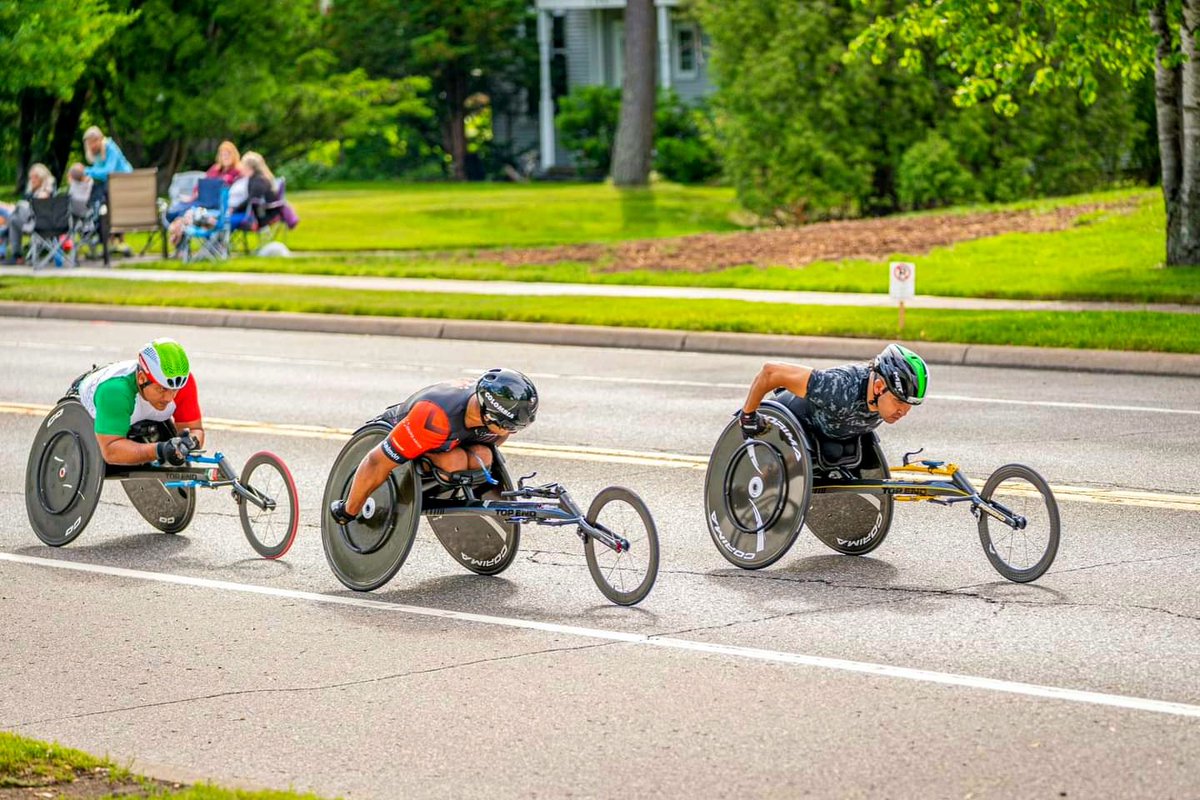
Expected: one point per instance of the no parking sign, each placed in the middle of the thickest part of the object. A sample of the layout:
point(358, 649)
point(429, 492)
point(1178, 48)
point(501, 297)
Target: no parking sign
point(903, 281)
point(902, 284)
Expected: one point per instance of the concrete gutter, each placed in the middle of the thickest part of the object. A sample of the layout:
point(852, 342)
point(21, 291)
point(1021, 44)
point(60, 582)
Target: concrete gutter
point(789, 347)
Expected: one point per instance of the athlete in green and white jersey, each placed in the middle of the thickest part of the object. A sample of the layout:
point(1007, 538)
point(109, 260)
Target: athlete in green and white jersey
point(157, 386)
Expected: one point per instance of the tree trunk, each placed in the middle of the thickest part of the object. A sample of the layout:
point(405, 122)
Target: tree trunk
point(1183, 238)
point(634, 144)
point(1176, 94)
point(66, 126)
point(454, 128)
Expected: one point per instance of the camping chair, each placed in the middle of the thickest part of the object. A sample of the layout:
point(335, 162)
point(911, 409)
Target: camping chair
point(212, 203)
point(183, 186)
point(51, 239)
point(268, 220)
point(133, 206)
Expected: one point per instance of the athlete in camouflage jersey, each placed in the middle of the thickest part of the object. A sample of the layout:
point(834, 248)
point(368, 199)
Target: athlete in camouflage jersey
point(842, 402)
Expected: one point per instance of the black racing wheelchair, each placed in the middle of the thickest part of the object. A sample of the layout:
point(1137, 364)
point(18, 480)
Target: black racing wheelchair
point(66, 471)
point(477, 517)
point(759, 492)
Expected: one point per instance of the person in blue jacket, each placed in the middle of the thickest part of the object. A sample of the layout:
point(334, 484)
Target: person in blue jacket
point(104, 158)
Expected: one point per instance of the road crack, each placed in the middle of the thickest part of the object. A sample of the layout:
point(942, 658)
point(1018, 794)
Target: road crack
point(318, 688)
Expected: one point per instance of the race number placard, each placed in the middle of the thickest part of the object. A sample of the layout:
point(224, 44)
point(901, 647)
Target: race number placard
point(903, 280)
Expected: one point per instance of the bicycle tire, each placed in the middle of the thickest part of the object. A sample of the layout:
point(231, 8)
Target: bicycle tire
point(617, 564)
point(1001, 552)
point(267, 473)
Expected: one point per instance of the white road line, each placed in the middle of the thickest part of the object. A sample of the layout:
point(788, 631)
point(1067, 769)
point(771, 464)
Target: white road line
point(641, 639)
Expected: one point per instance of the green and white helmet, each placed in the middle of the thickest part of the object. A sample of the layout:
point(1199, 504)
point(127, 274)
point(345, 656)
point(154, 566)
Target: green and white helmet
point(166, 363)
point(904, 373)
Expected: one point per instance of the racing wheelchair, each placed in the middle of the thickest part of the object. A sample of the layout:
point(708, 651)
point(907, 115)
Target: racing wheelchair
point(66, 471)
point(477, 517)
point(759, 492)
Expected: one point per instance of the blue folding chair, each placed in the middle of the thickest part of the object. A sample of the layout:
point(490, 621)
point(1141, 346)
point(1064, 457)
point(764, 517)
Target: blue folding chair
point(212, 206)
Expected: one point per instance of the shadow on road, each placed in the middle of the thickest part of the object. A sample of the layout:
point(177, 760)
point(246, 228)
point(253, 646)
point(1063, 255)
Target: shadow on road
point(160, 545)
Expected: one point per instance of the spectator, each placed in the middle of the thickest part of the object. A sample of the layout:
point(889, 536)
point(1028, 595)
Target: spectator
point(260, 190)
point(105, 158)
point(227, 167)
point(39, 186)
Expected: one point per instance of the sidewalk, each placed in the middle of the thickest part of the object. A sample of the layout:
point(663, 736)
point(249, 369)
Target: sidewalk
point(532, 289)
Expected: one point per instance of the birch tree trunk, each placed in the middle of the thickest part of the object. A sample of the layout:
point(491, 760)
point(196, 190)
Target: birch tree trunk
point(1177, 106)
point(633, 148)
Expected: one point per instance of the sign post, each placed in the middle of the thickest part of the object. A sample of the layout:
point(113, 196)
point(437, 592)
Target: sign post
point(902, 283)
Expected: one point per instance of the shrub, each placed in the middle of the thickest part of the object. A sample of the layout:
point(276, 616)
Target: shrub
point(930, 176)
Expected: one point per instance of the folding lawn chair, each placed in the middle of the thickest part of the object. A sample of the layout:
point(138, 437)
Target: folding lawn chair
point(212, 205)
point(52, 237)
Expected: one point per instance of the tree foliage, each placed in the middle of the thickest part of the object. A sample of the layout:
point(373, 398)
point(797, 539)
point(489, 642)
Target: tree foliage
point(474, 52)
point(807, 131)
point(46, 44)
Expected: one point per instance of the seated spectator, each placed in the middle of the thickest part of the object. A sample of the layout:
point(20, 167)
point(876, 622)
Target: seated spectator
point(259, 188)
point(39, 186)
point(104, 157)
point(79, 186)
point(227, 167)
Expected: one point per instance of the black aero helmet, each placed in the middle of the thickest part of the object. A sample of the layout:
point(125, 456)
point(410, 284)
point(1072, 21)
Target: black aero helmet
point(904, 373)
point(507, 399)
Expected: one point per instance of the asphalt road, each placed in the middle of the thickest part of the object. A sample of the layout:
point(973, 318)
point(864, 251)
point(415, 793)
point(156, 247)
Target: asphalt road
point(941, 679)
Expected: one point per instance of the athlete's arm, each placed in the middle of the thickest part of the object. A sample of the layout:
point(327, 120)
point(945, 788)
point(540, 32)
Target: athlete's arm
point(187, 414)
point(426, 427)
point(792, 377)
point(119, 450)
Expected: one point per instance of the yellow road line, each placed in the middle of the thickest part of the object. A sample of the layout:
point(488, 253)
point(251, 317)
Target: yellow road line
point(1064, 493)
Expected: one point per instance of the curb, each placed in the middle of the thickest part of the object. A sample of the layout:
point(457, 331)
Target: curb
point(754, 344)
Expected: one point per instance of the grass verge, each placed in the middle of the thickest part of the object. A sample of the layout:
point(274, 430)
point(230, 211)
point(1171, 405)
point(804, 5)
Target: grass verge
point(446, 215)
point(1116, 257)
point(1177, 333)
point(39, 769)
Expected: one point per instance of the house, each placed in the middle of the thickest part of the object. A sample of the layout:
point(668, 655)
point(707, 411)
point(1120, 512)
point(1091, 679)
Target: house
point(581, 43)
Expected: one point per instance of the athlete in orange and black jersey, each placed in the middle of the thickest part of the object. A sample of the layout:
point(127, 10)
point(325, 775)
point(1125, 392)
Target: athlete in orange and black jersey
point(434, 421)
point(454, 425)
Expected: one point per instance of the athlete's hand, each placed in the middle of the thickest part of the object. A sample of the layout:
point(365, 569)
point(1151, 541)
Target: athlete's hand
point(174, 451)
point(337, 509)
point(189, 441)
point(752, 424)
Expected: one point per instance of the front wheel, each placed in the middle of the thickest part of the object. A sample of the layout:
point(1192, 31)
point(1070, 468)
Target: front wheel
point(269, 531)
point(1023, 553)
point(627, 577)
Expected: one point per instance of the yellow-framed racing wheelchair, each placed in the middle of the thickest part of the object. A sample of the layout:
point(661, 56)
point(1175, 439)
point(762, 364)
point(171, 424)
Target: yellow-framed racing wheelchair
point(760, 492)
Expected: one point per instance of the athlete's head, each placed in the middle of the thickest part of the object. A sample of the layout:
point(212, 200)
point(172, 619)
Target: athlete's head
point(163, 370)
point(900, 379)
point(507, 399)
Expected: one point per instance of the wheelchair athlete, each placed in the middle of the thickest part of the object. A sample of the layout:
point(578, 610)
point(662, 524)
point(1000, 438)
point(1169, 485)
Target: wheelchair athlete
point(841, 402)
point(146, 399)
point(454, 425)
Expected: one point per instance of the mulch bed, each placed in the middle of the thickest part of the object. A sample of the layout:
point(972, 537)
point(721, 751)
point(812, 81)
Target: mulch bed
point(872, 239)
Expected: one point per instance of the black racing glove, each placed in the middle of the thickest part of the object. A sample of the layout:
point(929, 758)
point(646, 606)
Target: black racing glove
point(337, 509)
point(189, 441)
point(752, 424)
point(174, 451)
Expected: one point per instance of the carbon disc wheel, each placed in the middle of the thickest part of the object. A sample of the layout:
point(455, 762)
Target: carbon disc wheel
point(851, 523)
point(757, 491)
point(63, 475)
point(482, 543)
point(367, 553)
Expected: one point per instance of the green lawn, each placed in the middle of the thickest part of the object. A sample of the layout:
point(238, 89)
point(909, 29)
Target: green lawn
point(432, 216)
point(40, 769)
point(1110, 257)
point(1178, 333)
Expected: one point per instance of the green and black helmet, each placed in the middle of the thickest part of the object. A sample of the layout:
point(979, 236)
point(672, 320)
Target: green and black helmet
point(165, 363)
point(904, 373)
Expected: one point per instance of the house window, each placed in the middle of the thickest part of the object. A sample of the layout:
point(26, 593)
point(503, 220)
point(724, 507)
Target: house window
point(687, 50)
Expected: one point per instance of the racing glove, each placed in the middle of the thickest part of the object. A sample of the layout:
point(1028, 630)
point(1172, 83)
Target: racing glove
point(337, 509)
point(173, 451)
point(752, 424)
